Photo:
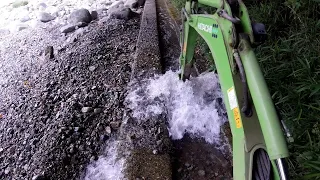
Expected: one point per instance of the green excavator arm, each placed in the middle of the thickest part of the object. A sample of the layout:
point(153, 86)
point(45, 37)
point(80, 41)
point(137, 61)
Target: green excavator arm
point(258, 142)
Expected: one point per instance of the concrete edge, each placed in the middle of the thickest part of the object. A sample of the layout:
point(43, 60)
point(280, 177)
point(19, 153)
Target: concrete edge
point(142, 161)
point(147, 57)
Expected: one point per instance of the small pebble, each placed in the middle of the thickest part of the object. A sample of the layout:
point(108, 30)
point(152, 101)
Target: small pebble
point(155, 151)
point(108, 130)
point(49, 52)
point(97, 110)
point(86, 109)
point(159, 142)
point(201, 172)
point(92, 68)
point(7, 170)
point(115, 124)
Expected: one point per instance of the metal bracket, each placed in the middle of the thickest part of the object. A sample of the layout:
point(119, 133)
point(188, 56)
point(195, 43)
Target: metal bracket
point(223, 13)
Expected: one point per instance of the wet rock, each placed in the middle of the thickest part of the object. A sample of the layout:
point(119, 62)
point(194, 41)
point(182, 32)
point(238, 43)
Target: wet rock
point(52, 10)
point(25, 18)
point(48, 52)
point(92, 68)
point(201, 172)
point(71, 150)
point(93, 158)
point(45, 17)
point(7, 170)
point(131, 3)
point(115, 124)
point(61, 13)
point(127, 68)
point(34, 141)
point(26, 167)
point(190, 167)
point(42, 6)
point(125, 14)
point(104, 137)
point(67, 28)
point(141, 2)
point(108, 130)
point(115, 6)
point(97, 110)
point(155, 151)
point(80, 15)
point(72, 39)
point(39, 177)
point(159, 142)
point(94, 15)
point(86, 109)
point(10, 131)
point(28, 147)
point(81, 24)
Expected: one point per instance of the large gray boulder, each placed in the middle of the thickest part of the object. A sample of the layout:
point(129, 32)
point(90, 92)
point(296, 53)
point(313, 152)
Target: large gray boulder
point(115, 6)
point(125, 14)
point(80, 15)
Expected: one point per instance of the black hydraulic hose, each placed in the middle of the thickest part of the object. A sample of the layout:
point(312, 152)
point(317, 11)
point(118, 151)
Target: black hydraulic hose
point(246, 107)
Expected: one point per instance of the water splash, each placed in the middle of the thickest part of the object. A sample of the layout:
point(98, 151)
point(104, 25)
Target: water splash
point(108, 167)
point(192, 107)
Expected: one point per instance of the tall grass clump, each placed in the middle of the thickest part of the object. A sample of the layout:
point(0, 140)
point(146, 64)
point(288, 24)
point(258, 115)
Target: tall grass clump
point(291, 65)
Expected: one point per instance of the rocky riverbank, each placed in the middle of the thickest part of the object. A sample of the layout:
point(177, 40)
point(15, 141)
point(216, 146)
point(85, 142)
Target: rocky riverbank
point(18, 15)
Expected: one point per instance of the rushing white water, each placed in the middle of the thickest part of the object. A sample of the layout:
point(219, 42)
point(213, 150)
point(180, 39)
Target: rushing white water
point(191, 106)
point(108, 166)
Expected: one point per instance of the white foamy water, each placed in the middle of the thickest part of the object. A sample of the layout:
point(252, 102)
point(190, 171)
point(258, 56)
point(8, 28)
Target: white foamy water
point(191, 106)
point(108, 166)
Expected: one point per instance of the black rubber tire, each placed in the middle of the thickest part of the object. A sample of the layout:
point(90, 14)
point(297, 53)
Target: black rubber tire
point(262, 167)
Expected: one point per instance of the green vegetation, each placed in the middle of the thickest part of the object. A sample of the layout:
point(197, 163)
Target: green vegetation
point(290, 62)
point(291, 65)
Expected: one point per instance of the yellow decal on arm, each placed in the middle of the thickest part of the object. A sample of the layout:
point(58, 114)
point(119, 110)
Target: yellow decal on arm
point(237, 117)
point(234, 106)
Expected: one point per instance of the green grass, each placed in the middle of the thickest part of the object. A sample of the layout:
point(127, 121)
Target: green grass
point(290, 60)
point(290, 63)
